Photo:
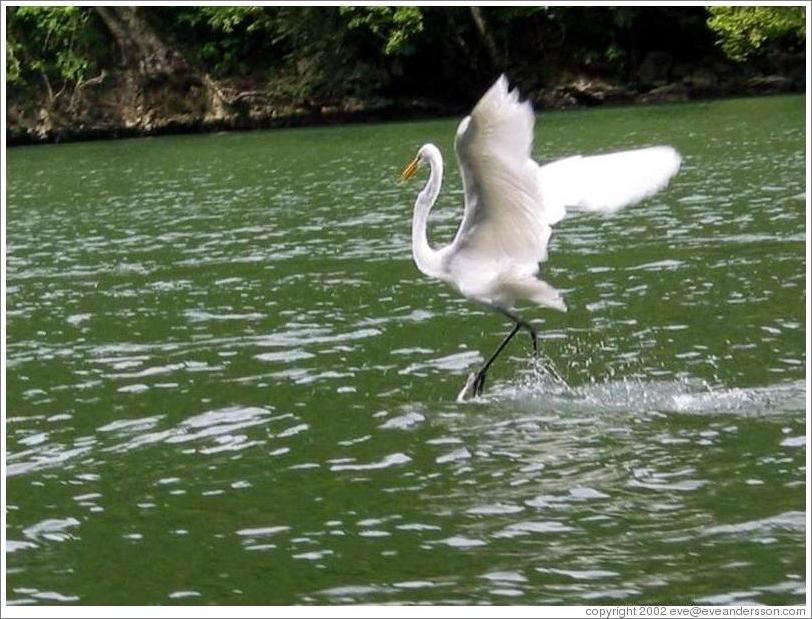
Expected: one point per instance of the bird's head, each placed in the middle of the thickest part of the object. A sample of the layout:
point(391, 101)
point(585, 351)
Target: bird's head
point(426, 152)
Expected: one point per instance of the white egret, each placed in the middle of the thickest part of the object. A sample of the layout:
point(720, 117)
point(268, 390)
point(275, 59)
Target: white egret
point(511, 203)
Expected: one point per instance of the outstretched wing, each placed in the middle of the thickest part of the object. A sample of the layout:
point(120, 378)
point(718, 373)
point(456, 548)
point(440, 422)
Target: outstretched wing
point(504, 215)
point(511, 202)
point(606, 183)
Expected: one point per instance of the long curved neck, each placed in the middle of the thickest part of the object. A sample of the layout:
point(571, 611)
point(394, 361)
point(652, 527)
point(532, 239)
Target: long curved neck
point(426, 258)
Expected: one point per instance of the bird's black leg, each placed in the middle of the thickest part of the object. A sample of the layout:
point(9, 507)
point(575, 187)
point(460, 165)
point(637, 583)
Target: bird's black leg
point(479, 378)
point(520, 322)
point(479, 382)
point(534, 337)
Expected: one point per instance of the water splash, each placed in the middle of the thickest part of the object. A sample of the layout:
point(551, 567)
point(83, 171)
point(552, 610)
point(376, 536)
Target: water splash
point(681, 395)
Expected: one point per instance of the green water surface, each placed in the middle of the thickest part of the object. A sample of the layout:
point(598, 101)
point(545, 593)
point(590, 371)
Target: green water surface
point(227, 382)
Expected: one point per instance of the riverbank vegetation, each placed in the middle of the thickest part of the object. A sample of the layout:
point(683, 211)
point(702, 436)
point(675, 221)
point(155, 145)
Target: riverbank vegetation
point(74, 72)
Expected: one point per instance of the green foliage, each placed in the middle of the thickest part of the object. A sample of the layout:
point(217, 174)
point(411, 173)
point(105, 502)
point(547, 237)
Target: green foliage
point(746, 30)
point(313, 53)
point(320, 55)
point(61, 45)
point(227, 19)
point(397, 27)
point(13, 67)
point(222, 38)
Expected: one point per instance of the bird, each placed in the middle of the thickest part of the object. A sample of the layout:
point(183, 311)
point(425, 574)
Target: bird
point(510, 205)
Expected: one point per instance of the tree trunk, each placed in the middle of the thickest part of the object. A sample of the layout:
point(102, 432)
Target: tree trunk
point(487, 37)
point(140, 47)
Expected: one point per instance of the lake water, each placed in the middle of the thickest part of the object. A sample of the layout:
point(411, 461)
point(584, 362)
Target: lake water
point(227, 383)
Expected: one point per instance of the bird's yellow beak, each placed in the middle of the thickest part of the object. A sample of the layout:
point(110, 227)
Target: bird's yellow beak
point(409, 170)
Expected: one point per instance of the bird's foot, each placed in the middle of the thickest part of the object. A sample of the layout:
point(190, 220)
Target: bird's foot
point(534, 341)
point(474, 385)
point(479, 383)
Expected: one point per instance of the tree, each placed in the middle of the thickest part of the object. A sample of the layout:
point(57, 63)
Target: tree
point(58, 47)
point(397, 28)
point(140, 47)
point(744, 31)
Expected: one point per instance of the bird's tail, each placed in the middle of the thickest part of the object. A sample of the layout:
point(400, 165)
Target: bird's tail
point(538, 291)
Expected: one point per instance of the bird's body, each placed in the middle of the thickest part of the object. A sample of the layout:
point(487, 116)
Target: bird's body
point(511, 204)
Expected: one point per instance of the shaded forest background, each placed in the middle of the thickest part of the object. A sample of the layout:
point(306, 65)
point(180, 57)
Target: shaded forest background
point(87, 72)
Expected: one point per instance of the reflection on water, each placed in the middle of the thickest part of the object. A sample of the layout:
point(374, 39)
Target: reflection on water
point(233, 356)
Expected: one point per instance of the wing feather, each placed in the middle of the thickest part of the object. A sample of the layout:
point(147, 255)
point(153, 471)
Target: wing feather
point(504, 218)
point(606, 183)
point(511, 202)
